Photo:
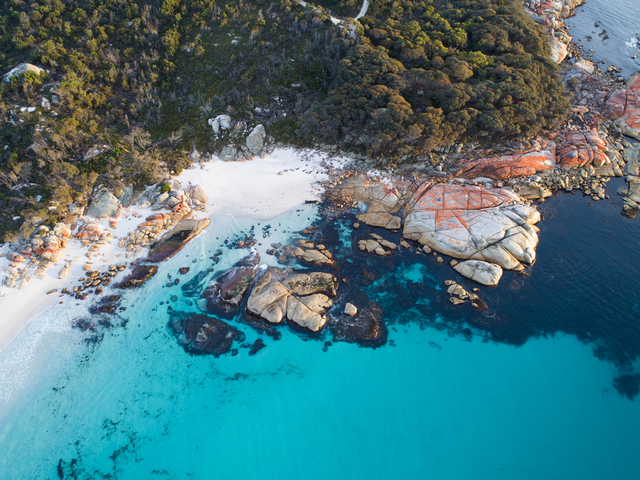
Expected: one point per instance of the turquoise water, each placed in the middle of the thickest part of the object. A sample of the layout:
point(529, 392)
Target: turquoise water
point(430, 404)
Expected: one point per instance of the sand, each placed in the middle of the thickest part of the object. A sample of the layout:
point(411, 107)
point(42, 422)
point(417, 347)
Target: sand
point(261, 189)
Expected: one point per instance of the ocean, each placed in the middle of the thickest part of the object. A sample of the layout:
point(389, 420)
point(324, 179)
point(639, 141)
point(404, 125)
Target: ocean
point(542, 384)
point(611, 30)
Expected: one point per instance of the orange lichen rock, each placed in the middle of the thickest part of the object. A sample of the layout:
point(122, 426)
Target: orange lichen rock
point(472, 222)
point(582, 148)
point(624, 107)
point(509, 166)
point(88, 231)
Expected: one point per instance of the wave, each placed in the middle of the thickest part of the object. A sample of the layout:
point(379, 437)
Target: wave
point(32, 346)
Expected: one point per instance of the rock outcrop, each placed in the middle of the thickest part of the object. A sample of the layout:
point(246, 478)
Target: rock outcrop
point(377, 245)
point(509, 166)
point(465, 221)
point(381, 219)
point(558, 50)
point(459, 295)
point(631, 203)
point(21, 70)
point(175, 240)
point(549, 10)
point(255, 140)
point(581, 148)
point(472, 222)
point(384, 199)
point(302, 298)
point(624, 107)
point(220, 122)
point(201, 334)
point(197, 193)
point(104, 205)
point(225, 292)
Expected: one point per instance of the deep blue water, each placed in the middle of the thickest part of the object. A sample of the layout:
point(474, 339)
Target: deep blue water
point(525, 393)
point(614, 28)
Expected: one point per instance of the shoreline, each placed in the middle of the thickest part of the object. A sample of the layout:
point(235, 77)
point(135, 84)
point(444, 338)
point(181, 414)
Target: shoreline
point(261, 189)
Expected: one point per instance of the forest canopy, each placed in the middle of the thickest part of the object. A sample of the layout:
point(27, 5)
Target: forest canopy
point(434, 72)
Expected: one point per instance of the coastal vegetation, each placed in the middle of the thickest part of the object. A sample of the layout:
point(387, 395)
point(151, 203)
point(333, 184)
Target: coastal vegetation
point(127, 87)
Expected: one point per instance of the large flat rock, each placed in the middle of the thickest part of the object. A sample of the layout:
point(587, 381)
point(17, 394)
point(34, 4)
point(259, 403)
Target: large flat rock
point(473, 222)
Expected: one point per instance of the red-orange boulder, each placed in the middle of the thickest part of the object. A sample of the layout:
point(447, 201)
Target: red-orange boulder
point(582, 148)
point(624, 107)
point(508, 166)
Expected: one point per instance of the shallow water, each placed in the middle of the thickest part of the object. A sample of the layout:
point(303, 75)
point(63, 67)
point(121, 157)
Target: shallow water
point(436, 401)
point(614, 28)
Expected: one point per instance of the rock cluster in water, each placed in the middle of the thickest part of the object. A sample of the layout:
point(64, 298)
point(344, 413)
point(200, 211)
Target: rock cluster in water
point(272, 295)
point(300, 297)
point(138, 275)
point(365, 326)
point(490, 227)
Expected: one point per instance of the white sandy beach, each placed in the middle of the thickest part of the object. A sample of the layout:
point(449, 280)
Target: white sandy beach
point(261, 189)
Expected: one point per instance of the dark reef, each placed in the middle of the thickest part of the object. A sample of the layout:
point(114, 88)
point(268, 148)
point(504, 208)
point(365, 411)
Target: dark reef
point(202, 334)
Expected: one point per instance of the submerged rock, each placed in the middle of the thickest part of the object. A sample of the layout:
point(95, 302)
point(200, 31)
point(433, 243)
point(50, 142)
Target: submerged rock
point(203, 334)
point(628, 385)
point(302, 298)
point(226, 291)
point(139, 274)
point(256, 347)
point(366, 328)
point(175, 240)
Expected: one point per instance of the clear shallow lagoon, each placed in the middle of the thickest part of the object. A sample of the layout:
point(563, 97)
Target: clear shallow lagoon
point(436, 405)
